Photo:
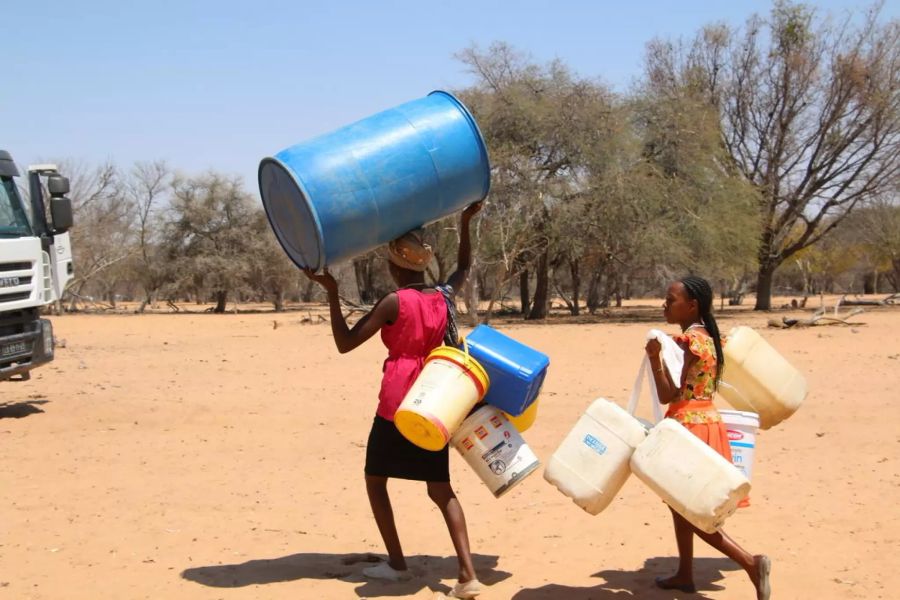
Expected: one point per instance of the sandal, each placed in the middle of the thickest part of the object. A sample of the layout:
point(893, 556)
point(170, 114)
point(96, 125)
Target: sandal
point(469, 589)
point(764, 568)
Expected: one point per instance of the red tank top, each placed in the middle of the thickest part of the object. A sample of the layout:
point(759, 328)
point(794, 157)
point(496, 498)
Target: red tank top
point(418, 329)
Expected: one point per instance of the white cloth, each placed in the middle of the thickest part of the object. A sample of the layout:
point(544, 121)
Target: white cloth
point(672, 358)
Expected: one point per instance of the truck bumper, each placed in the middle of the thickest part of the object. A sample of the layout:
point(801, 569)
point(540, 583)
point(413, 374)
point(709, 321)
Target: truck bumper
point(22, 352)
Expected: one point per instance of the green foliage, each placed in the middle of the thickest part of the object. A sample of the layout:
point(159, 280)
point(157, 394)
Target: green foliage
point(736, 151)
point(609, 188)
point(209, 234)
point(806, 114)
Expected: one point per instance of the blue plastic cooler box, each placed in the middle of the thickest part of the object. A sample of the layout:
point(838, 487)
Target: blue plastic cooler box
point(515, 370)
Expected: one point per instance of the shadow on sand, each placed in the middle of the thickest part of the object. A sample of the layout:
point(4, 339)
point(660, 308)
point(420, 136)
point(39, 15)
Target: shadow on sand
point(430, 571)
point(18, 410)
point(619, 585)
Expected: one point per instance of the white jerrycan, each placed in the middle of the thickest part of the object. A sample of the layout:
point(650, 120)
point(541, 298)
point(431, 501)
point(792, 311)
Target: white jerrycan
point(692, 478)
point(592, 463)
point(758, 379)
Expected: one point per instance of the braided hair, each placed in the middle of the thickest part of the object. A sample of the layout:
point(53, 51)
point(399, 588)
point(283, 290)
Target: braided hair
point(699, 289)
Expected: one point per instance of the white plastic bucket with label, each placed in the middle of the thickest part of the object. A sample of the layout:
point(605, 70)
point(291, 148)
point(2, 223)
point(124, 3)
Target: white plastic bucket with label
point(494, 449)
point(742, 427)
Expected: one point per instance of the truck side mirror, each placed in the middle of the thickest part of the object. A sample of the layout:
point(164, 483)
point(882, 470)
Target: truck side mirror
point(58, 185)
point(61, 213)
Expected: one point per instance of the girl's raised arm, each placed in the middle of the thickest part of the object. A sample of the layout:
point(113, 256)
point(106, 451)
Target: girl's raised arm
point(345, 338)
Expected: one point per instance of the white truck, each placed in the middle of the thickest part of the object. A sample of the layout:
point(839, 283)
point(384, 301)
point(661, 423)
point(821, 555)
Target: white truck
point(35, 264)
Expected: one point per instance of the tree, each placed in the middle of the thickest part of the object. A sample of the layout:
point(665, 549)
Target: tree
point(102, 236)
point(270, 271)
point(146, 188)
point(210, 235)
point(371, 275)
point(822, 264)
point(702, 214)
point(810, 117)
point(878, 229)
point(539, 122)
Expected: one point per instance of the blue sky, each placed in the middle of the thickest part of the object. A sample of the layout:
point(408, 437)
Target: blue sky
point(222, 84)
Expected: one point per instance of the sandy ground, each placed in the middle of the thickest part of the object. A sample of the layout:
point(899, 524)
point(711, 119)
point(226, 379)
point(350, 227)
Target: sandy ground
point(218, 456)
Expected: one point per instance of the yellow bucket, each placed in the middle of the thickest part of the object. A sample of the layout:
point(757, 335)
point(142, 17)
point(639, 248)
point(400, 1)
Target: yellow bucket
point(450, 385)
point(524, 421)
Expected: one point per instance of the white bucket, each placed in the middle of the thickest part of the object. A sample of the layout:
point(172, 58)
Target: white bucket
point(742, 427)
point(494, 449)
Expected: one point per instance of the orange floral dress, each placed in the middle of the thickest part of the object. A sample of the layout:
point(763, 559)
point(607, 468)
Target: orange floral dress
point(695, 409)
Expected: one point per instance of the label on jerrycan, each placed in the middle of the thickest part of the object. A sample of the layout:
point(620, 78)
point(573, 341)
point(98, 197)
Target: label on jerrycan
point(594, 444)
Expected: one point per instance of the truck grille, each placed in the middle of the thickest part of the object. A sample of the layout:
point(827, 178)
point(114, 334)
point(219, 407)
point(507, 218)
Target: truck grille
point(15, 297)
point(17, 321)
point(16, 281)
point(15, 266)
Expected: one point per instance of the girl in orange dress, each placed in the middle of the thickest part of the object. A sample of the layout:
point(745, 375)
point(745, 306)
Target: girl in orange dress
point(689, 304)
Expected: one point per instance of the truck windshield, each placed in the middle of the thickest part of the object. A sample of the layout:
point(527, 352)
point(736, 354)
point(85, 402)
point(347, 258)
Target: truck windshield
point(13, 220)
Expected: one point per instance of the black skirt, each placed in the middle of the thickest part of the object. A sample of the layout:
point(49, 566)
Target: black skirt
point(389, 454)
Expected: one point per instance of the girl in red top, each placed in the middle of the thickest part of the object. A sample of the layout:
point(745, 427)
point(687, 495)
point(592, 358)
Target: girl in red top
point(412, 321)
point(689, 304)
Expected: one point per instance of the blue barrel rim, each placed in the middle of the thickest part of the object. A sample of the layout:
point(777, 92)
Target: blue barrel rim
point(320, 247)
point(482, 146)
point(274, 168)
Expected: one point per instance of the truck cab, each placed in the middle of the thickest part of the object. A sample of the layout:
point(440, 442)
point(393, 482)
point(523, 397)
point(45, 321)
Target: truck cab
point(35, 264)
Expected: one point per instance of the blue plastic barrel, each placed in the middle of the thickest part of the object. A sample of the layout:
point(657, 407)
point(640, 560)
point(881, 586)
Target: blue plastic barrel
point(516, 371)
point(349, 191)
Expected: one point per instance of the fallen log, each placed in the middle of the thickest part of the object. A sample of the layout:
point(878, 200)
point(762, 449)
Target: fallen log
point(819, 318)
point(857, 301)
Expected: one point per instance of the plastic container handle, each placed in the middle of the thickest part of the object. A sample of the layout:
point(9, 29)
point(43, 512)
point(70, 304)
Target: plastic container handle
point(636, 392)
